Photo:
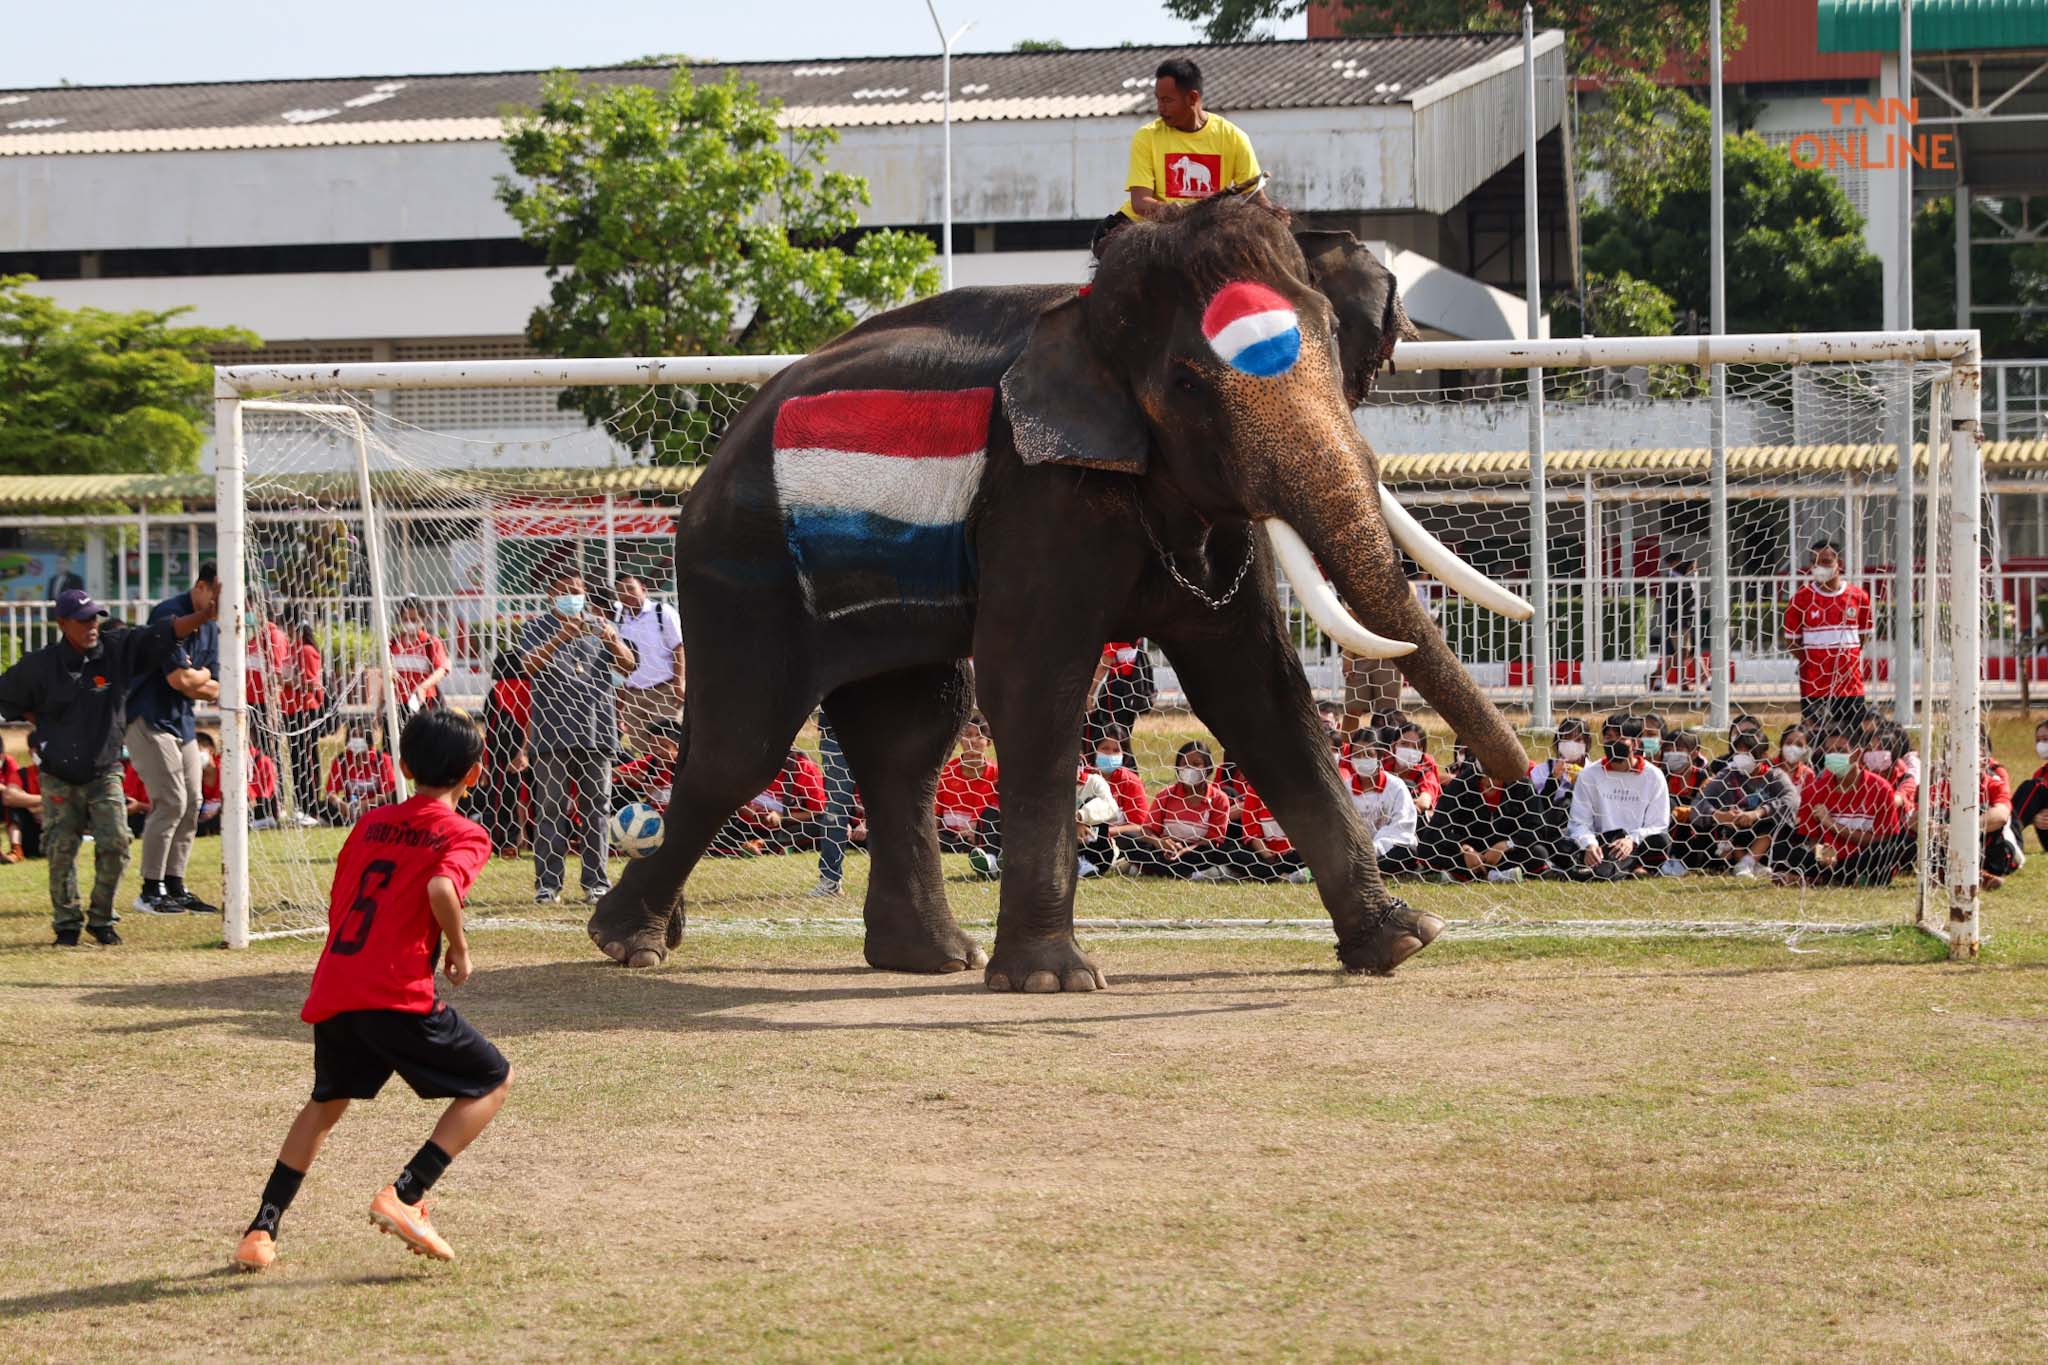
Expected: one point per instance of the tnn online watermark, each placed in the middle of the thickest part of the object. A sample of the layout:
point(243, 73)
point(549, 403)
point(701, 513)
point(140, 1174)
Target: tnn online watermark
point(1889, 150)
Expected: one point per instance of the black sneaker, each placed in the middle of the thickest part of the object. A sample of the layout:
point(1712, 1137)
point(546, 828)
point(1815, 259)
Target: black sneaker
point(67, 938)
point(149, 903)
point(191, 904)
point(104, 935)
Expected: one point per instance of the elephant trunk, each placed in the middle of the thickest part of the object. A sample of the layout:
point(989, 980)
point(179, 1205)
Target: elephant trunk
point(1349, 533)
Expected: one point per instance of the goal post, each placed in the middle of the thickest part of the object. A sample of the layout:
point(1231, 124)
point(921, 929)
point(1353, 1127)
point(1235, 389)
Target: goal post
point(340, 489)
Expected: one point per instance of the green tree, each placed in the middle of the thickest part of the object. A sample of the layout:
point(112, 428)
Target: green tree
point(1601, 35)
point(1795, 252)
point(1038, 45)
point(684, 221)
point(93, 392)
point(2008, 274)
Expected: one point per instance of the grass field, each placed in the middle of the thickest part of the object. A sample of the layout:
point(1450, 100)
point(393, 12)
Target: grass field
point(1536, 1147)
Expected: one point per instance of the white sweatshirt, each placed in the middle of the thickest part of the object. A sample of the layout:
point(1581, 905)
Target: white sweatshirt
point(1388, 812)
point(1636, 801)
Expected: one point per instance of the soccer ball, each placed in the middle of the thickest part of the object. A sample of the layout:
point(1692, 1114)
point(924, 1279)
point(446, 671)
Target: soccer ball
point(636, 830)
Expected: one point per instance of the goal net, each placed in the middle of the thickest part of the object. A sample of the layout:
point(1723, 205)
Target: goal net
point(409, 543)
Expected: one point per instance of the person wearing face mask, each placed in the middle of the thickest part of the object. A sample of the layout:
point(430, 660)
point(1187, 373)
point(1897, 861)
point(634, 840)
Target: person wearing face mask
point(1795, 748)
point(1095, 811)
point(1544, 820)
point(419, 663)
point(1620, 821)
point(1122, 690)
point(2030, 798)
point(1111, 760)
point(1743, 812)
point(1190, 817)
point(1381, 799)
point(969, 804)
point(1736, 726)
point(1414, 766)
point(360, 778)
point(1684, 775)
point(1847, 821)
point(571, 657)
point(1825, 625)
point(1478, 829)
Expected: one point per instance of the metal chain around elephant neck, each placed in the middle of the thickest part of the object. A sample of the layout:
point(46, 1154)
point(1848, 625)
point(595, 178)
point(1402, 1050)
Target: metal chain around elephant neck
point(1200, 594)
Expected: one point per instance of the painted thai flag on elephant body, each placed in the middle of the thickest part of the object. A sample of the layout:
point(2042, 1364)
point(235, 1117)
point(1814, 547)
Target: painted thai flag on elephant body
point(874, 486)
point(1253, 329)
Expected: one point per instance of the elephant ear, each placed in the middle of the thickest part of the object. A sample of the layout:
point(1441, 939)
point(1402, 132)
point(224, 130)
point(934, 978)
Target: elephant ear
point(1370, 317)
point(1064, 404)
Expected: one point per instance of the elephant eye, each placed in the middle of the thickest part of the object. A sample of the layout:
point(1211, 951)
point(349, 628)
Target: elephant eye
point(1187, 383)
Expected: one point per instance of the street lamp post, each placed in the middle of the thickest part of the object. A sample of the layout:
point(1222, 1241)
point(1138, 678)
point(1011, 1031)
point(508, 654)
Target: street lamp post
point(946, 118)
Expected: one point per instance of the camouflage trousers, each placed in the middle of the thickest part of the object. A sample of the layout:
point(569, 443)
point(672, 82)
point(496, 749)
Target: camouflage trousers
point(75, 810)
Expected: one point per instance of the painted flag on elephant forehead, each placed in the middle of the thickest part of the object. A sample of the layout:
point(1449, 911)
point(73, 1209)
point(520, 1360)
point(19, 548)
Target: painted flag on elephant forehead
point(875, 485)
point(1252, 329)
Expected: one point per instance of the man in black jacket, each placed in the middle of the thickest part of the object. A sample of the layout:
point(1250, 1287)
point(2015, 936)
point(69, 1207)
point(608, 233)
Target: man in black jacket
point(76, 690)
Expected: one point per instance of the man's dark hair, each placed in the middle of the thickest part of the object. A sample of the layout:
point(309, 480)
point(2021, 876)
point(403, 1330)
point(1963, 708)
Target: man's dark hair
point(411, 603)
point(1748, 742)
point(1745, 721)
point(632, 578)
point(1115, 730)
point(440, 747)
point(1631, 727)
point(1570, 725)
point(206, 740)
point(1182, 72)
point(208, 572)
point(1826, 543)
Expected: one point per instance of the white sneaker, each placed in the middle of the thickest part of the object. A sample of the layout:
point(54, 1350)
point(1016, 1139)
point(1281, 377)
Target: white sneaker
point(1087, 869)
point(825, 887)
point(265, 823)
point(1505, 874)
point(1746, 869)
point(1671, 867)
point(547, 898)
point(1206, 874)
point(984, 863)
point(1301, 876)
point(305, 821)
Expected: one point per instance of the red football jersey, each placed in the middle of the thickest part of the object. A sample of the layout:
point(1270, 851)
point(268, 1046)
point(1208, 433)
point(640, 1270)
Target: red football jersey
point(359, 776)
point(961, 798)
point(1178, 813)
point(1862, 801)
point(382, 940)
point(1829, 627)
point(413, 657)
point(269, 653)
point(1260, 824)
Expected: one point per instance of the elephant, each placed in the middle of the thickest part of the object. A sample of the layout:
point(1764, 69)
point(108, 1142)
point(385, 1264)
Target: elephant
point(1014, 475)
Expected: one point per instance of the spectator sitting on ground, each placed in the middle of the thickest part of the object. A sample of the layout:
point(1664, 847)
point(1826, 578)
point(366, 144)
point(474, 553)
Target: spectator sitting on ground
point(359, 779)
point(1795, 750)
point(1134, 805)
point(262, 789)
point(1190, 819)
point(1684, 775)
point(1889, 754)
point(1095, 811)
point(1414, 766)
point(1382, 800)
point(2030, 800)
point(1653, 738)
point(19, 811)
point(2002, 855)
point(1620, 820)
point(1273, 858)
point(1847, 819)
point(785, 816)
point(1478, 826)
point(1553, 779)
point(209, 784)
point(650, 777)
point(1741, 813)
point(135, 795)
point(967, 805)
point(1736, 726)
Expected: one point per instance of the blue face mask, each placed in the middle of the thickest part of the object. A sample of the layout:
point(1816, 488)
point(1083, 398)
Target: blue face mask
point(618, 678)
point(1652, 746)
point(1109, 763)
point(570, 604)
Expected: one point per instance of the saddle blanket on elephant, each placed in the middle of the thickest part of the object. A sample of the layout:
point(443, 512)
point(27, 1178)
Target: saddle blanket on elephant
point(875, 486)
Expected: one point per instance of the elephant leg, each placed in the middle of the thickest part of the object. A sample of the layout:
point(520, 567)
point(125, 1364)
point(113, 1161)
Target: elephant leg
point(738, 733)
point(1248, 687)
point(896, 730)
point(1034, 714)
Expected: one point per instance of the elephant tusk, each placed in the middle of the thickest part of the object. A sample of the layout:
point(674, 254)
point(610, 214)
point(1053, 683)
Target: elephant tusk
point(1454, 573)
point(1321, 601)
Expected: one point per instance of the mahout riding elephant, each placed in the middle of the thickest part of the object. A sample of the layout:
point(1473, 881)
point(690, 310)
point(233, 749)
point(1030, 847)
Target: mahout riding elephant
point(1016, 475)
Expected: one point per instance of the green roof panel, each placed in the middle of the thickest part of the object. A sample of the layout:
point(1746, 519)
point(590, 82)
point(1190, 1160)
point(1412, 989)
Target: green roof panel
point(1938, 25)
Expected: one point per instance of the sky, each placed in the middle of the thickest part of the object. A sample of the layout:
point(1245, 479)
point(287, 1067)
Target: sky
point(133, 42)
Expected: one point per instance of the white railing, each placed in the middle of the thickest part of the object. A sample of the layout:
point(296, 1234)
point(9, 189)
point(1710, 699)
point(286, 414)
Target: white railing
point(2015, 400)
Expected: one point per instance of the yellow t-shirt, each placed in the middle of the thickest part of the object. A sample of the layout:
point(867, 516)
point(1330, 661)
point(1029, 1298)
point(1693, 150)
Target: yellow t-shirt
point(1177, 165)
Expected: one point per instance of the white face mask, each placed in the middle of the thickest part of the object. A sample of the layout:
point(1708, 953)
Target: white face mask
point(1878, 760)
point(1191, 777)
point(1793, 753)
point(1408, 756)
point(1365, 765)
point(1825, 573)
point(2041, 747)
point(1571, 750)
point(359, 745)
point(1677, 761)
point(1742, 763)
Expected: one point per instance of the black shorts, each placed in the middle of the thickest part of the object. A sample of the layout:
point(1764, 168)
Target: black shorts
point(439, 1055)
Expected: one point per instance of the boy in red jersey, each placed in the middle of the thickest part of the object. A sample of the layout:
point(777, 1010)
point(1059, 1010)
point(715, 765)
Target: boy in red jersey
point(1825, 623)
point(398, 888)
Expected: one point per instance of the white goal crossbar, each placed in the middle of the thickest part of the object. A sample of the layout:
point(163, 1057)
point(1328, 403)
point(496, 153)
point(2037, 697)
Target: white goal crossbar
point(246, 388)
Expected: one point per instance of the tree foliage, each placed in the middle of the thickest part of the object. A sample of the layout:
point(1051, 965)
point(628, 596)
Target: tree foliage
point(1601, 35)
point(684, 221)
point(1796, 260)
point(2007, 274)
point(93, 392)
point(1038, 45)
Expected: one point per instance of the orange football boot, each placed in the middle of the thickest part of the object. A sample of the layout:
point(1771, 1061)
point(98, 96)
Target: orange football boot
point(409, 1223)
point(258, 1251)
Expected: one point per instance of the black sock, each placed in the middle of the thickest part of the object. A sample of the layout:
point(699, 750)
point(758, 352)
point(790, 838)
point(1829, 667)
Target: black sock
point(278, 1193)
point(174, 886)
point(421, 1172)
point(152, 888)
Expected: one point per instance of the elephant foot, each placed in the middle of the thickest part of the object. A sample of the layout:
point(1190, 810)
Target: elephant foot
point(628, 932)
point(924, 949)
point(1389, 938)
point(1044, 967)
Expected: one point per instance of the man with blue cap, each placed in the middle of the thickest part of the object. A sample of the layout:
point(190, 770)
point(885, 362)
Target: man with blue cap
point(76, 692)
